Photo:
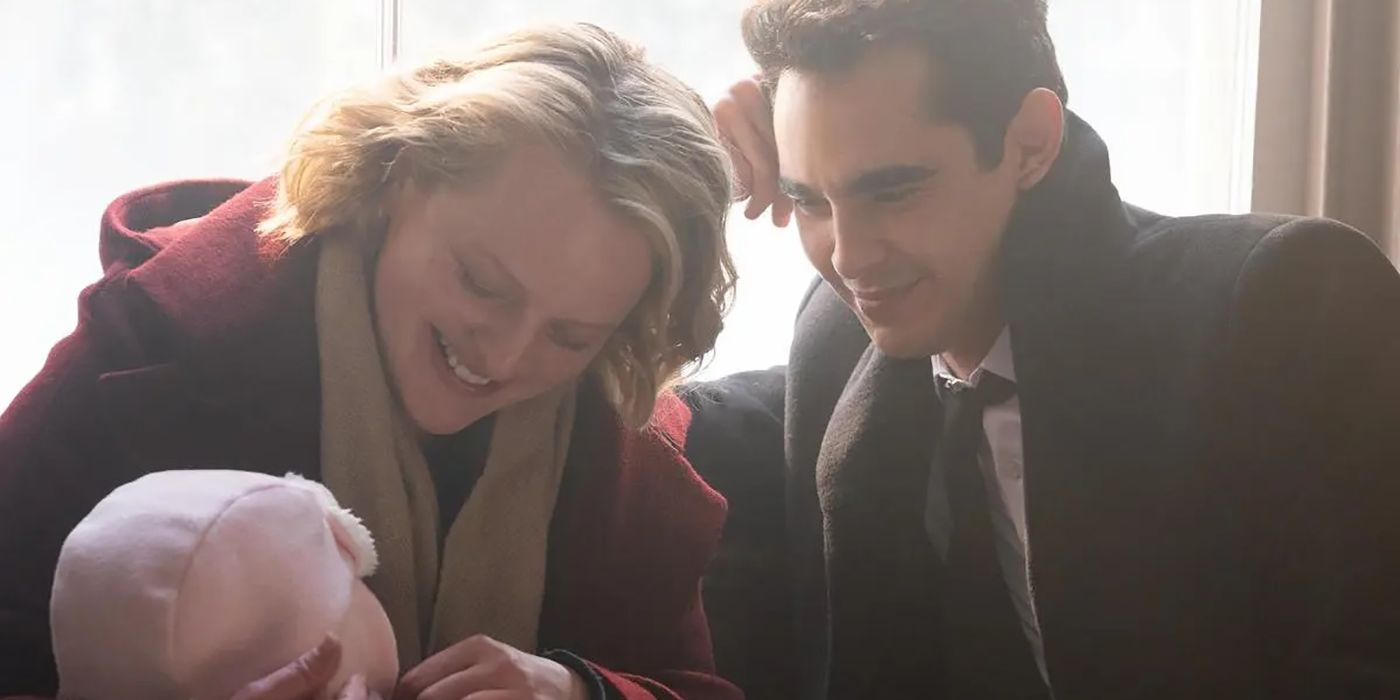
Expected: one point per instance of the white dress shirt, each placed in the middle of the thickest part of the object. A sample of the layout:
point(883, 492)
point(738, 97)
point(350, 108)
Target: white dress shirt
point(1000, 459)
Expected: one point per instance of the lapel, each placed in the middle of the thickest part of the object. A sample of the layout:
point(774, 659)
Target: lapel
point(1090, 408)
point(228, 369)
point(1063, 248)
point(882, 572)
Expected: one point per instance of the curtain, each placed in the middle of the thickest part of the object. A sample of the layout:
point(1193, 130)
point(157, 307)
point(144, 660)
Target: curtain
point(1327, 130)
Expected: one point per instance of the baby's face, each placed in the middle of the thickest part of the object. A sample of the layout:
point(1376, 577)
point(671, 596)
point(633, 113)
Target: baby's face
point(368, 643)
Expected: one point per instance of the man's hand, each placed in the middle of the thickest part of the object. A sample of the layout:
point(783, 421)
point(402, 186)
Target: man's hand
point(306, 678)
point(745, 124)
point(483, 667)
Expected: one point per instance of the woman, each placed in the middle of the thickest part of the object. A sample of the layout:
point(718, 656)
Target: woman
point(476, 278)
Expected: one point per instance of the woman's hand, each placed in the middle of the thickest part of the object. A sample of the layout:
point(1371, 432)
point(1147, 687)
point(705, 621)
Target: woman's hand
point(484, 668)
point(745, 124)
point(306, 678)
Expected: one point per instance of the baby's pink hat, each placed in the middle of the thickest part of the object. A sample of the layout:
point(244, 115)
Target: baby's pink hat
point(192, 584)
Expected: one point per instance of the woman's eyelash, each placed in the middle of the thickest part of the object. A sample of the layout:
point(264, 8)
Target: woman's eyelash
point(475, 287)
point(570, 346)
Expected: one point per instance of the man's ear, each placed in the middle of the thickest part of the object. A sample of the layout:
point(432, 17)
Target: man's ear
point(1035, 135)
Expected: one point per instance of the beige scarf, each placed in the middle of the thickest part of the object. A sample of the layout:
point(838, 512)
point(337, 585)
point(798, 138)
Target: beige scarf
point(491, 577)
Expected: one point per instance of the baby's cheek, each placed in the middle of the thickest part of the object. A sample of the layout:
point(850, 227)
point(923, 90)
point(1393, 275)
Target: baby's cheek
point(369, 645)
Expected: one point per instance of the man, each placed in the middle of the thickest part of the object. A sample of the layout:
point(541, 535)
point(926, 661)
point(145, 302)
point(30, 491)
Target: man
point(1089, 451)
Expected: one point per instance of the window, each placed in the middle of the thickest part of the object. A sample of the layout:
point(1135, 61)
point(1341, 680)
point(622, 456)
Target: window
point(106, 99)
point(102, 98)
point(1170, 87)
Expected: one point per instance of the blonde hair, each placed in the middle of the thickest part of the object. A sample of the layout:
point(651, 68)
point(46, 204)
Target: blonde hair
point(643, 136)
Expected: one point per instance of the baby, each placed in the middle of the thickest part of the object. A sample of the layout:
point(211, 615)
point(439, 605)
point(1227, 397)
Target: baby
point(193, 584)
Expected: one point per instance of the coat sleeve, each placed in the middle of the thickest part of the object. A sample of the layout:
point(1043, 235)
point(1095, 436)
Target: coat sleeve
point(56, 463)
point(689, 675)
point(634, 531)
point(735, 442)
point(1316, 342)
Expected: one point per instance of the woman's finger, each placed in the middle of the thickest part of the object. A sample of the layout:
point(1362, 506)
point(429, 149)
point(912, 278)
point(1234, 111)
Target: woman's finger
point(355, 689)
point(464, 683)
point(457, 657)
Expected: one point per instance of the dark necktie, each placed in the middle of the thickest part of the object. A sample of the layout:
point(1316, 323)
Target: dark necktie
point(986, 651)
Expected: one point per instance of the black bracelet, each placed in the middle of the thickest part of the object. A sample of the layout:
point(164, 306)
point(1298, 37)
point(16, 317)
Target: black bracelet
point(598, 689)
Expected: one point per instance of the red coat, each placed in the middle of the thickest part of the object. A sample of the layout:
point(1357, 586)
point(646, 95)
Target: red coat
point(197, 349)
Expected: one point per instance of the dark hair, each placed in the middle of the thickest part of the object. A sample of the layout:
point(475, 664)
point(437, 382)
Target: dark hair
point(988, 53)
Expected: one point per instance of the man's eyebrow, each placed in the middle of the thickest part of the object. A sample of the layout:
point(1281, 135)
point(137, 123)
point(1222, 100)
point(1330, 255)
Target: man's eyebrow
point(888, 178)
point(871, 182)
point(795, 189)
